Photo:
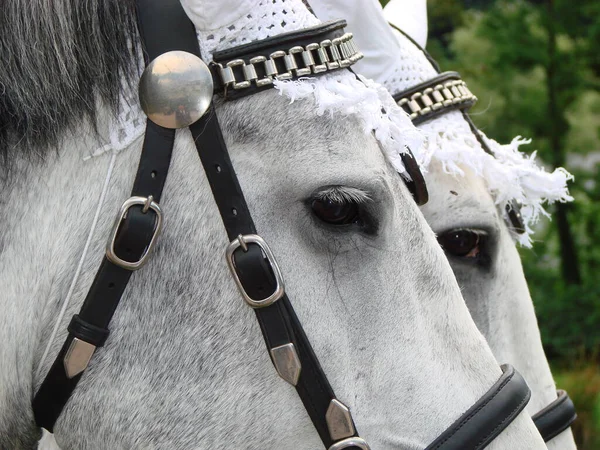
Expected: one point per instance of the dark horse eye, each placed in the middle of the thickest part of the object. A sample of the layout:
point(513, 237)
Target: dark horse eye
point(336, 213)
point(464, 243)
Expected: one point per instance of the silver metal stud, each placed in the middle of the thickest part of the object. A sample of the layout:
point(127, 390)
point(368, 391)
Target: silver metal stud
point(77, 357)
point(287, 363)
point(176, 89)
point(339, 420)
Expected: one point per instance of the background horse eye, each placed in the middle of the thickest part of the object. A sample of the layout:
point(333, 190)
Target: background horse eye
point(336, 213)
point(463, 243)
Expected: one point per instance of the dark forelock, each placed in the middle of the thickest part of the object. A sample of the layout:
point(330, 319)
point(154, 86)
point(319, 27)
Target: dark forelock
point(57, 59)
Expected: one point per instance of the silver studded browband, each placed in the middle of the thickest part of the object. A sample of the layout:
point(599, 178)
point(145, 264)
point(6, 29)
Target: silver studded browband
point(436, 96)
point(259, 68)
point(439, 95)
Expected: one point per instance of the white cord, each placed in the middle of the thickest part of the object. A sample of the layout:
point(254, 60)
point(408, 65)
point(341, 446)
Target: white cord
point(79, 266)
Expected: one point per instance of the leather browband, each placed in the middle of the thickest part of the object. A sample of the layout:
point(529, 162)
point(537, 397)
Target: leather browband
point(487, 418)
point(556, 417)
point(428, 100)
point(252, 67)
point(139, 224)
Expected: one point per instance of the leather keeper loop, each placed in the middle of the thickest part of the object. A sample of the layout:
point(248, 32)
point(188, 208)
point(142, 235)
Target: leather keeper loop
point(87, 332)
point(255, 273)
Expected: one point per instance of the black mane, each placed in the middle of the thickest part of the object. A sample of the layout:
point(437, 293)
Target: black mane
point(57, 59)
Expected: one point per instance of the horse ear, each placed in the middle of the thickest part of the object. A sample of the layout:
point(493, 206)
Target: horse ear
point(410, 16)
point(213, 15)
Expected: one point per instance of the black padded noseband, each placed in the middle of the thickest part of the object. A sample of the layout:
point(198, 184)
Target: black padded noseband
point(487, 418)
point(556, 417)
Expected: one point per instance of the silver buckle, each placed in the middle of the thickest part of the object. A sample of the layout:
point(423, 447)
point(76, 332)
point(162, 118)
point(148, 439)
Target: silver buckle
point(148, 203)
point(351, 442)
point(243, 241)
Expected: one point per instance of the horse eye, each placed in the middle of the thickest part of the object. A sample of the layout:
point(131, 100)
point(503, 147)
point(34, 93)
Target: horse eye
point(463, 243)
point(336, 213)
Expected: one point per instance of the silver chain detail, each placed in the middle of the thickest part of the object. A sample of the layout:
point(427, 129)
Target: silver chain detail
point(298, 61)
point(450, 93)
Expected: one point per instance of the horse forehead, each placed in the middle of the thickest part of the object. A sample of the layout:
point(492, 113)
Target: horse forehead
point(268, 127)
point(211, 15)
point(457, 199)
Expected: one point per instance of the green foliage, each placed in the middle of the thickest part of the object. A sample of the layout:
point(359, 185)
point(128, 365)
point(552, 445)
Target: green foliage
point(568, 315)
point(583, 385)
point(535, 71)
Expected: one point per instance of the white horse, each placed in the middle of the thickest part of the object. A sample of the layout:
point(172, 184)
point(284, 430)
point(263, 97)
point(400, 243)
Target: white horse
point(468, 220)
point(185, 365)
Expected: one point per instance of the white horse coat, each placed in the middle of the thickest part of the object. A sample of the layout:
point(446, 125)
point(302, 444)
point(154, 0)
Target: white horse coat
point(185, 365)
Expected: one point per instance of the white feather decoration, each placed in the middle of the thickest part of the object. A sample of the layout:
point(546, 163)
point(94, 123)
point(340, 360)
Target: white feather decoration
point(369, 101)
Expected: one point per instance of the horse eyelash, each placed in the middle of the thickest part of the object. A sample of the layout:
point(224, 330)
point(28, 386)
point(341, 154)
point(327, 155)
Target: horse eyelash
point(342, 194)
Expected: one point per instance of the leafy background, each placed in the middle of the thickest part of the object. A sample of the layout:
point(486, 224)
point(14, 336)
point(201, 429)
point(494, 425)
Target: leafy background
point(535, 66)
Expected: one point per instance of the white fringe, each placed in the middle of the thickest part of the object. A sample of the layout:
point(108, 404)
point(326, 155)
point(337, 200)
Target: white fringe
point(369, 101)
point(517, 176)
point(510, 174)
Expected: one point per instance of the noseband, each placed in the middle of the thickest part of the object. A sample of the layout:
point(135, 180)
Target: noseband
point(433, 98)
point(166, 32)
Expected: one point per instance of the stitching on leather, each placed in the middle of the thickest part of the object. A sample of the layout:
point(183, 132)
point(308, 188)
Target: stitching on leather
point(467, 419)
point(556, 432)
point(510, 416)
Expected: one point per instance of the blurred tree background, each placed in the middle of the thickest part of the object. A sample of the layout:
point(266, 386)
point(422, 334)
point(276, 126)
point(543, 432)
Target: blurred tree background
point(535, 66)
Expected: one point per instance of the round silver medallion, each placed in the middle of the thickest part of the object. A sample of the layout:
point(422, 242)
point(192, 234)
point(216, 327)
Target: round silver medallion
point(176, 89)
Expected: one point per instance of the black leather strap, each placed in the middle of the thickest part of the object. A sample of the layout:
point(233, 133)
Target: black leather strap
point(556, 417)
point(135, 233)
point(280, 325)
point(278, 322)
point(487, 418)
point(417, 185)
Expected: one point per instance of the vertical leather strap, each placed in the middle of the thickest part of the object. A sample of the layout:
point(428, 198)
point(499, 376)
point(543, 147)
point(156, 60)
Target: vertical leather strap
point(135, 232)
point(279, 323)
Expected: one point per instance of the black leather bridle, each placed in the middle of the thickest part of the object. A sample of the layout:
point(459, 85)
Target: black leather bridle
point(164, 27)
point(560, 414)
